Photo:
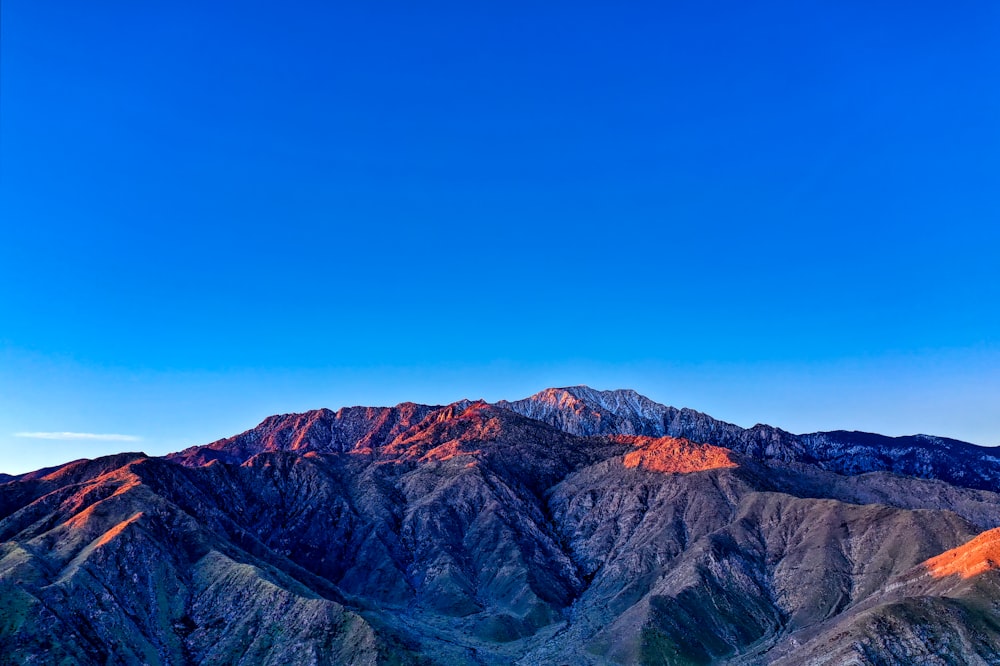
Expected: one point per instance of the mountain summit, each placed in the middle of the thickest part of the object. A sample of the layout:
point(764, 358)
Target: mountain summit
point(573, 526)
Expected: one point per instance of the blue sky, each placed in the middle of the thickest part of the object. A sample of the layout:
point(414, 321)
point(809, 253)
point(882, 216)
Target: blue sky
point(783, 212)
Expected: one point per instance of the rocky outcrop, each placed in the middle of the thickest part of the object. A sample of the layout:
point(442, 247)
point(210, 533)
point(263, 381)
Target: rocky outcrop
point(671, 455)
point(972, 559)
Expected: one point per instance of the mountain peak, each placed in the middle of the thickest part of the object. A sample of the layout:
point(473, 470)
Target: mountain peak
point(581, 410)
point(595, 397)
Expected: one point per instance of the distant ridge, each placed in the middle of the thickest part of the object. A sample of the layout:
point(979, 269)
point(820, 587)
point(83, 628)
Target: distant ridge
point(584, 411)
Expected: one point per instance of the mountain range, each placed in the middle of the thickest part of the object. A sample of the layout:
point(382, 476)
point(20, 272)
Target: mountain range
point(574, 526)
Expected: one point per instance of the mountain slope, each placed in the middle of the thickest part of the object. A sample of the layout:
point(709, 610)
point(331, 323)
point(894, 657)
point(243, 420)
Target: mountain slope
point(115, 573)
point(942, 611)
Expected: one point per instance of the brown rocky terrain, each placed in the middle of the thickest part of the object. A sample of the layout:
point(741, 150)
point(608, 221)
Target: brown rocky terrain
point(574, 527)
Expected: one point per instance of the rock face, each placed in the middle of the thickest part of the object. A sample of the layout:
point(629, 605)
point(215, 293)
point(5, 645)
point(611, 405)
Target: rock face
point(572, 527)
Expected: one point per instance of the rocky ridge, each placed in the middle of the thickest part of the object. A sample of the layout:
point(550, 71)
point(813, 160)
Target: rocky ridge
point(582, 410)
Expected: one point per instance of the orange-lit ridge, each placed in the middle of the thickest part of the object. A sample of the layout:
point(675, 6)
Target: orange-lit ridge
point(976, 557)
point(673, 455)
point(447, 451)
point(117, 529)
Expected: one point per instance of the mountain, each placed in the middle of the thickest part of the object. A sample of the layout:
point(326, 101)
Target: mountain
point(572, 527)
point(584, 411)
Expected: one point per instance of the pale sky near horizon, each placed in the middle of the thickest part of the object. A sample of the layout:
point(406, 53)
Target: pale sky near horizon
point(781, 213)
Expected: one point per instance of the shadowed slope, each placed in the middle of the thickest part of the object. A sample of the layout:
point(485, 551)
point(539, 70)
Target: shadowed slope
point(700, 567)
point(942, 612)
point(113, 572)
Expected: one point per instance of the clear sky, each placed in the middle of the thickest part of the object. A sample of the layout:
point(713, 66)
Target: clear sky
point(781, 212)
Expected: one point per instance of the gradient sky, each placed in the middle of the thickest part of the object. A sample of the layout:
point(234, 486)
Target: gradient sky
point(781, 212)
